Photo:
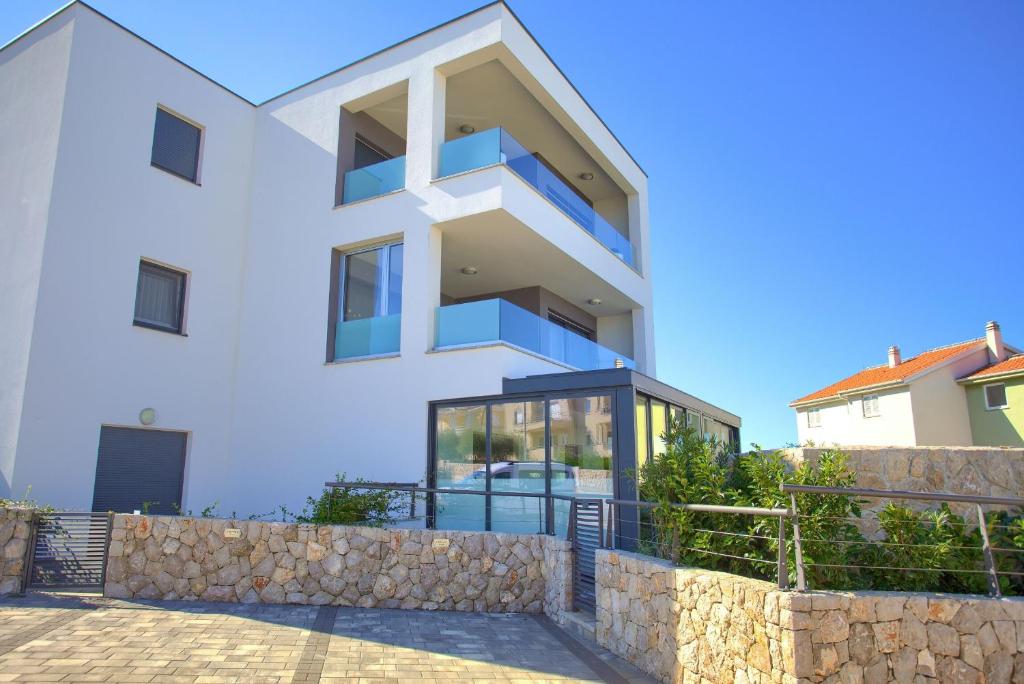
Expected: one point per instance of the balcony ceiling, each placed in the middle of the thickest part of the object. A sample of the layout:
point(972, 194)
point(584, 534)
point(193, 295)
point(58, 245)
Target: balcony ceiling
point(488, 96)
point(510, 255)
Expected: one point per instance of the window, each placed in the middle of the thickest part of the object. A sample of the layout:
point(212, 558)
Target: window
point(570, 325)
point(995, 396)
point(176, 145)
point(368, 319)
point(160, 298)
point(869, 406)
point(368, 154)
point(814, 418)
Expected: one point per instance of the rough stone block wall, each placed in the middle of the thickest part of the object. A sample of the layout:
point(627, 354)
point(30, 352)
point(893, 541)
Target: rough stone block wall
point(684, 624)
point(985, 471)
point(15, 531)
point(164, 557)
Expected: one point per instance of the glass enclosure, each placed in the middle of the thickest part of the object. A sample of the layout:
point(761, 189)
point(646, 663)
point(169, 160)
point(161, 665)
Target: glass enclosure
point(517, 465)
point(496, 146)
point(461, 463)
point(494, 320)
point(581, 452)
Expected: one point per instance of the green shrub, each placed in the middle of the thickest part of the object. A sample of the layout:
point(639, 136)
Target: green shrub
point(344, 506)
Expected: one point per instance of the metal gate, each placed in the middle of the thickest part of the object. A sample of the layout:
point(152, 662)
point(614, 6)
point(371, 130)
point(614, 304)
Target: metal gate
point(586, 524)
point(69, 550)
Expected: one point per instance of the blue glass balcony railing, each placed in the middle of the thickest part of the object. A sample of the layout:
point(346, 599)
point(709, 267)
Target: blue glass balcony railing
point(496, 146)
point(496, 320)
point(373, 180)
point(368, 336)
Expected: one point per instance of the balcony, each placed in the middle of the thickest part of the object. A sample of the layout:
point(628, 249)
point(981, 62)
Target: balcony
point(496, 146)
point(374, 180)
point(368, 337)
point(496, 320)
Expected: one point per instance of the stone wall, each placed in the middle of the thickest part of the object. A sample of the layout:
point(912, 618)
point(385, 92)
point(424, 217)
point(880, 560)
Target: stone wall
point(164, 557)
point(15, 531)
point(986, 471)
point(684, 624)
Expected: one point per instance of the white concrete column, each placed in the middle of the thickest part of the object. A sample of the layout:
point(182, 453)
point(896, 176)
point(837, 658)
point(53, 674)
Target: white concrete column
point(421, 287)
point(643, 340)
point(425, 131)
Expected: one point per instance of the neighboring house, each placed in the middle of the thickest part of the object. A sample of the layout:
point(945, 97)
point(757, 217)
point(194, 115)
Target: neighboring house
point(995, 401)
point(433, 258)
point(914, 402)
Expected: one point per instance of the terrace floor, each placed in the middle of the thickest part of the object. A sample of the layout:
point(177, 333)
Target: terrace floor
point(83, 638)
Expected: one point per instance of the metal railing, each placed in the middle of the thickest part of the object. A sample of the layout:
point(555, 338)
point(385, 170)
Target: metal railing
point(988, 552)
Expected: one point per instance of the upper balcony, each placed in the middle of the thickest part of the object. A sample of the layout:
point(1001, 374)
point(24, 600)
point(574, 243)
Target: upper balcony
point(371, 149)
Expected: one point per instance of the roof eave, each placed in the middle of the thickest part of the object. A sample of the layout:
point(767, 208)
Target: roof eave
point(866, 389)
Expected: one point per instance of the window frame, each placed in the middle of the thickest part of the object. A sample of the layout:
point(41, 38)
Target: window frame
point(384, 273)
point(200, 146)
point(876, 413)
point(182, 294)
point(1006, 400)
point(817, 414)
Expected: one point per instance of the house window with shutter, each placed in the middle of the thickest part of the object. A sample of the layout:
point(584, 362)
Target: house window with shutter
point(995, 396)
point(176, 144)
point(870, 406)
point(814, 418)
point(160, 298)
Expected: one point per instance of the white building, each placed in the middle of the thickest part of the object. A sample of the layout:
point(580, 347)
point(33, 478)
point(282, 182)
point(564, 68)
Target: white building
point(208, 300)
point(914, 402)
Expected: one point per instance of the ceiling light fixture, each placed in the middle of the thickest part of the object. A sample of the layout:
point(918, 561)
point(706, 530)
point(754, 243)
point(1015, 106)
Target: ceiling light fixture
point(593, 301)
point(469, 270)
point(466, 128)
point(586, 175)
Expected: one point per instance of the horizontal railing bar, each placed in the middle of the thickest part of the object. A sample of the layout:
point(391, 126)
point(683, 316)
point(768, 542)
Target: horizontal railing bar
point(903, 494)
point(706, 508)
point(433, 490)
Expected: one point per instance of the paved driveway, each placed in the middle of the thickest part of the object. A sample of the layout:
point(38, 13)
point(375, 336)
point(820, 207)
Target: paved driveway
point(46, 637)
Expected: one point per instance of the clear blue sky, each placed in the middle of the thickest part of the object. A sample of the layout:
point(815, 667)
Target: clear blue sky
point(826, 179)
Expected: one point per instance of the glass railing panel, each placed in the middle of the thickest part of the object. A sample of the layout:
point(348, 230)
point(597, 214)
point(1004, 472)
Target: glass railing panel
point(376, 179)
point(472, 152)
point(469, 323)
point(368, 336)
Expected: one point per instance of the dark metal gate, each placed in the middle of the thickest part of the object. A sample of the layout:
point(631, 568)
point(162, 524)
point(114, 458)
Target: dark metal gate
point(586, 522)
point(69, 550)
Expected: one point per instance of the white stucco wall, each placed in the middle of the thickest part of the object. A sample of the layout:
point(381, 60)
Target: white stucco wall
point(90, 366)
point(941, 417)
point(844, 423)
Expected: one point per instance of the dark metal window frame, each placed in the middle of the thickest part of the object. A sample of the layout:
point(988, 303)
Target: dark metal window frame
point(194, 180)
point(336, 297)
point(182, 291)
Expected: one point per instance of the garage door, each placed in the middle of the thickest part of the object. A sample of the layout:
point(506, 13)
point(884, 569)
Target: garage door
point(139, 466)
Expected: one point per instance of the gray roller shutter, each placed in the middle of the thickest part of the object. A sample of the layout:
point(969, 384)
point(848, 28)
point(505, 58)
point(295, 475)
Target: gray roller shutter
point(135, 466)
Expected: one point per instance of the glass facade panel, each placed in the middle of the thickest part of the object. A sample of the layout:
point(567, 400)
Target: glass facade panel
point(461, 463)
point(581, 451)
point(517, 465)
point(362, 278)
point(659, 426)
point(642, 426)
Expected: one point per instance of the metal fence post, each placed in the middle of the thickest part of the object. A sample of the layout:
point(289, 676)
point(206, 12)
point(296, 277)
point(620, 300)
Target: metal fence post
point(783, 564)
point(30, 552)
point(801, 580)
point(986, 548)
point(609, 535)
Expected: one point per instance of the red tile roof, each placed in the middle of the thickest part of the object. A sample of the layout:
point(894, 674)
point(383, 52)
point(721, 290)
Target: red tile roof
point(1010, 365)
point(879, 375)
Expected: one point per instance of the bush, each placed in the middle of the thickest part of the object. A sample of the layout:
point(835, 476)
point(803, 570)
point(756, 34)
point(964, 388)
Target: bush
point(344, 506)
point(836, 554)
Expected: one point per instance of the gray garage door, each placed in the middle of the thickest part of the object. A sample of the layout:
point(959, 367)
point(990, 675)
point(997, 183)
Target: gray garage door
point(139, 466)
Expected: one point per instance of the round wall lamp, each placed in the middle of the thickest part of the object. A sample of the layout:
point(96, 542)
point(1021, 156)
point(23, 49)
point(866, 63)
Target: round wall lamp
point(466, 128)
point(593, 301)
point(469, 270)
point(586, 176)
point(147, 416)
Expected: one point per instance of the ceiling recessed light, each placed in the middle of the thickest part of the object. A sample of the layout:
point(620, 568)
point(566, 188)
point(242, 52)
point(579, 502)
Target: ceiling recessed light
point(469, 270)
point(466, 128)
point(593, 301)
point(586, 176)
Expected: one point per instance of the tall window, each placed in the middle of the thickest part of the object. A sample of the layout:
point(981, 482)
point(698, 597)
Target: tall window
point(869, 406)
point(659, 427)
point(176, 145)
point(159, 297)
point(370, 302)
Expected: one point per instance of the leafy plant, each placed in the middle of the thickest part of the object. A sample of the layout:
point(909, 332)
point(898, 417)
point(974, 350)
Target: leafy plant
point(346, 506)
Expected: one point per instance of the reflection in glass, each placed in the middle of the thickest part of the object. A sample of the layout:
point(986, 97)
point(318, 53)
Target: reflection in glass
point(461, 463)
point(658, 427)
point(581, 451)
point(641, 432)
point(517, 465)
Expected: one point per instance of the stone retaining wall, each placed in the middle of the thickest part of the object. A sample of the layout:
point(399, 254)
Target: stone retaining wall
point(986, 471)
point(164, 557)
point(684, 624)
point(15, 530)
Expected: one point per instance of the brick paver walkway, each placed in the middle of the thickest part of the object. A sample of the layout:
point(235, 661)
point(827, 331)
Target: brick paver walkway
point(46, 637)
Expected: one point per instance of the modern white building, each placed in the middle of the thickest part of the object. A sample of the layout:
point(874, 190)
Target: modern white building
point(208, 300)
point(920, 401)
